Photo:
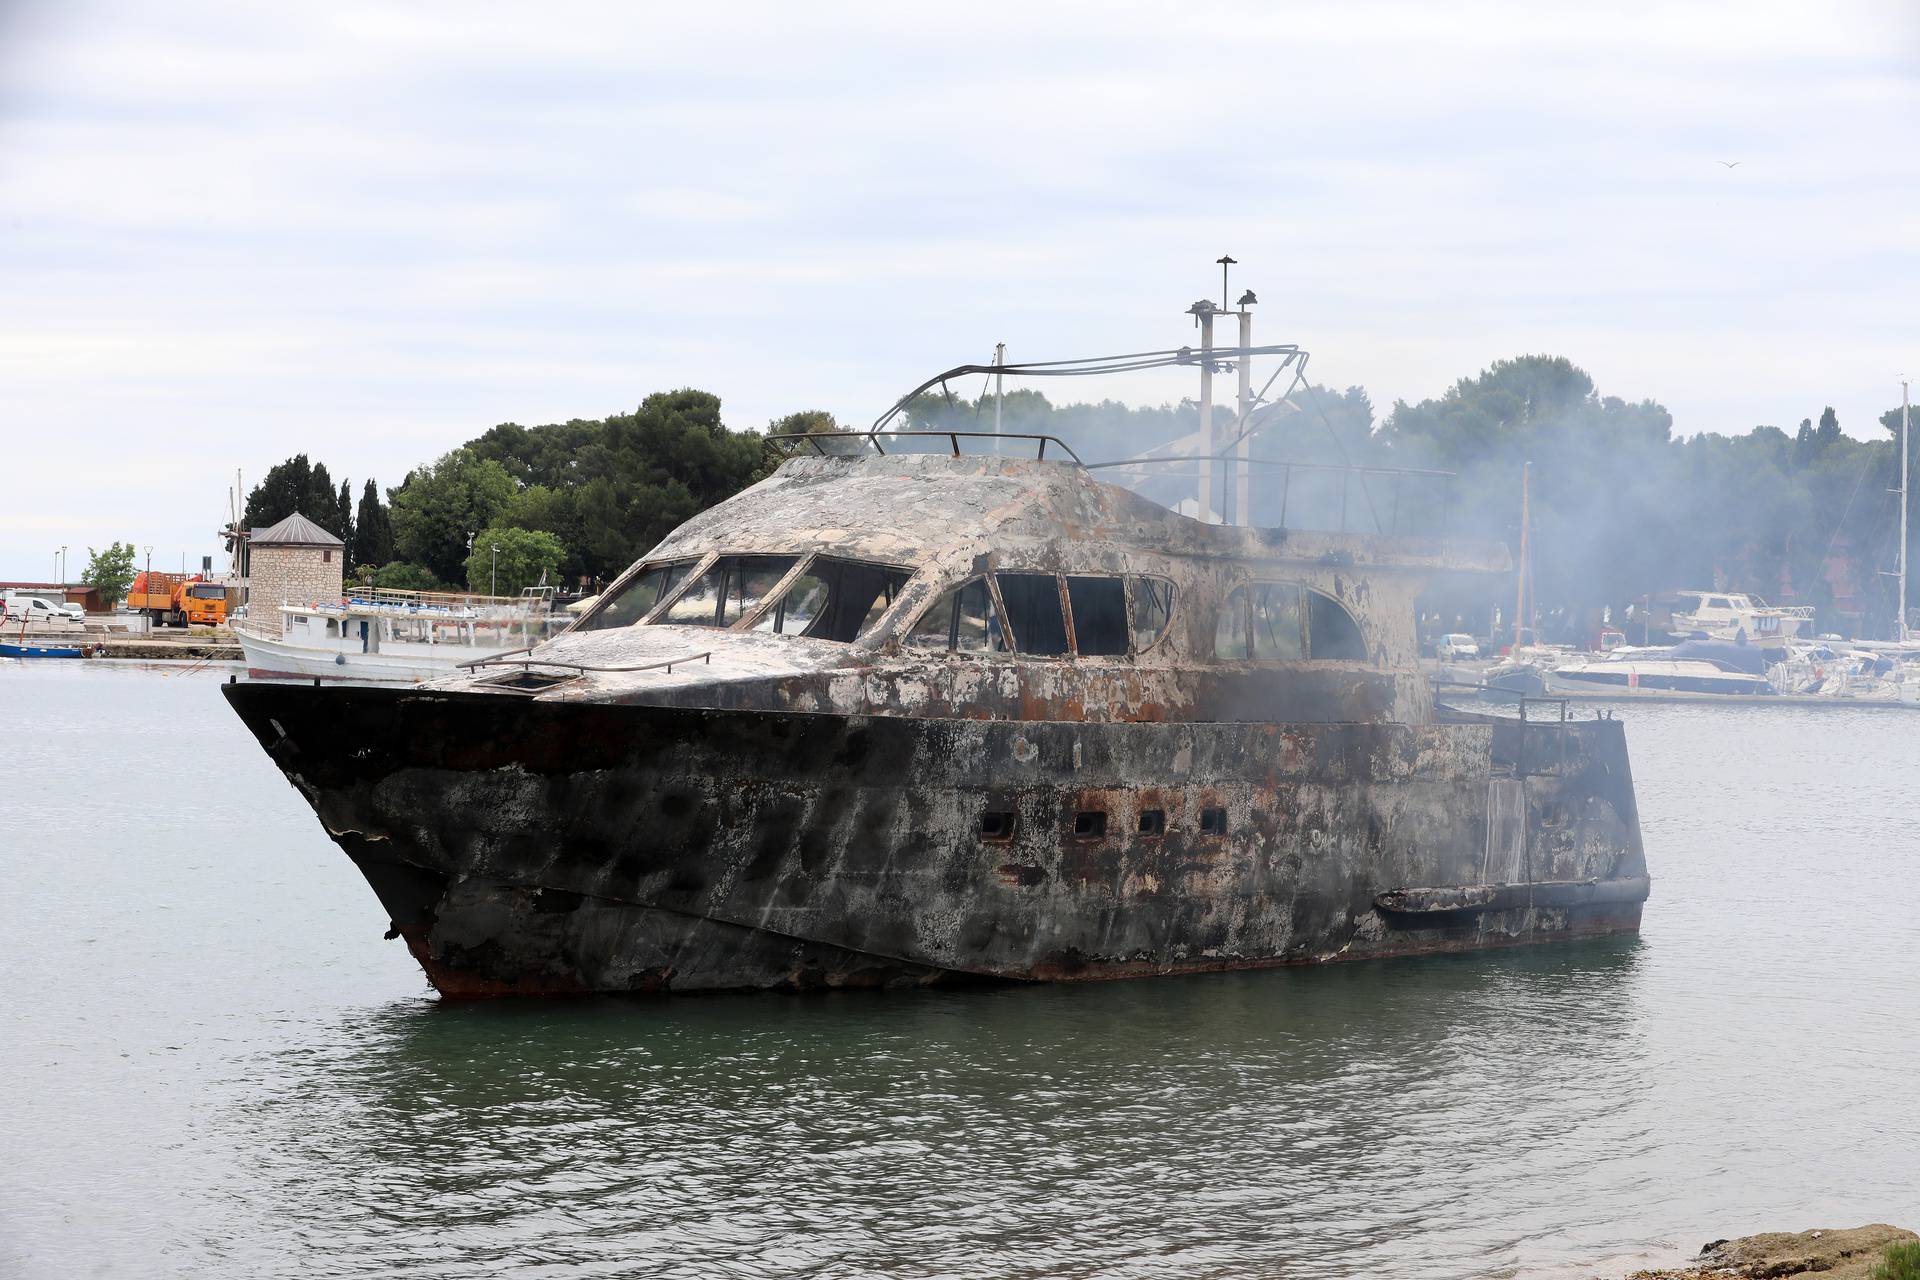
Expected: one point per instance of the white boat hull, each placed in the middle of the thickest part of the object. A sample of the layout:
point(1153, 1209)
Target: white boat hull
point(278, 659)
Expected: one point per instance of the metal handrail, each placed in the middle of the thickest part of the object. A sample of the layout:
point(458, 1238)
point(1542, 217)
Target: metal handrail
point(495, 659)
point(874, 438)
point(1526, 698)
point(1095, 366)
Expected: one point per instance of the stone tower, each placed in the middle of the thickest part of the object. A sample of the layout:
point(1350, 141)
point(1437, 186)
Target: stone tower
point(293, 562)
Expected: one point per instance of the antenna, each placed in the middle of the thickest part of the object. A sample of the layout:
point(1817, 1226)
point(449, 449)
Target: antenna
point(999, 383)
point(1225, 261)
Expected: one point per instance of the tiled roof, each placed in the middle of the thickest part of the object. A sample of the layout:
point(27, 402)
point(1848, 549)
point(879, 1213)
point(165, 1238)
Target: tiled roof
point(295, 531)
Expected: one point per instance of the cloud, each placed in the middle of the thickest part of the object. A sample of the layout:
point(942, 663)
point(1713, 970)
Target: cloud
point(367, 232)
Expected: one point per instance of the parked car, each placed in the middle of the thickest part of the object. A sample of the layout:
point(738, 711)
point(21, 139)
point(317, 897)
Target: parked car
point(1456, 648)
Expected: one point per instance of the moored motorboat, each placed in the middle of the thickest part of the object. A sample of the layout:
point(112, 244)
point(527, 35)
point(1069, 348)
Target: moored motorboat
point(1738, 617)
point(1630, 675)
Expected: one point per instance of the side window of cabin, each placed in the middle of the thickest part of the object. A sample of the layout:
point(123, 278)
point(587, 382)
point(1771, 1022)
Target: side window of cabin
point(1279, 623)
point(1331, 631)
point(962, 620)
point(636, 599)
point(1230, 632)
point(834, 600)
point(1033, 613)
point(1150, 609)
point(1283, 622)
point(1099, 615)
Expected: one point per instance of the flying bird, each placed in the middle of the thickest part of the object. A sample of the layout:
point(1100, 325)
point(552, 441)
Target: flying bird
point(1731, 164)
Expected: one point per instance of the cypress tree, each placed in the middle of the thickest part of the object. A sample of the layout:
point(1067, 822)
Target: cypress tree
point(372, 531)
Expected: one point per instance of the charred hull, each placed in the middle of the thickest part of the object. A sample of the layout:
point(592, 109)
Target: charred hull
point(548, 847)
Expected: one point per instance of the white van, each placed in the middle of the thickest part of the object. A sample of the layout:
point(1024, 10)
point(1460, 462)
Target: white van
point(1457, 648)
point(39, 609)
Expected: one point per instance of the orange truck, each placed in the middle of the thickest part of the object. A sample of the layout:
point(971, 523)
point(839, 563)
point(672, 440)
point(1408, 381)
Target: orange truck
point(179, 600)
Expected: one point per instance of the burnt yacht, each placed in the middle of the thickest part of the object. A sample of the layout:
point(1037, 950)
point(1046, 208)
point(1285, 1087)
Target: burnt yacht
point(933, 706)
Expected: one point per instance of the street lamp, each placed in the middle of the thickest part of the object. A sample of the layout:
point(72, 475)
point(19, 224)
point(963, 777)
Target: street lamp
point(493, 586)
point(63, 566)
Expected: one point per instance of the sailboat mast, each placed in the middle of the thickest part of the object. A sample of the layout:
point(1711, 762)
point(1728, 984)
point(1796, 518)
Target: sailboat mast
point(1900, 619)
point(1520, 570)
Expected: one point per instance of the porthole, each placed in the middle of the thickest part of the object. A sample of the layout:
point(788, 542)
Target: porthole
point(1153, 822)
point(997, 825)
point(1089, 824)
point(1213, 822)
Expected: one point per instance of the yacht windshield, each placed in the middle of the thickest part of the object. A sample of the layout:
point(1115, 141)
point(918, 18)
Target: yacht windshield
point(728, 591)
point(628, 604)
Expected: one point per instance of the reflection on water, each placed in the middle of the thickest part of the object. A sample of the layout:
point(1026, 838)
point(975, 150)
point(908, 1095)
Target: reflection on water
point(1320, 1119)
point(220, 1069)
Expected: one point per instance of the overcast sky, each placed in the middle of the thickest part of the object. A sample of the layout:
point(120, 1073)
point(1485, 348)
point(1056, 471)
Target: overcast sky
point(233, 232)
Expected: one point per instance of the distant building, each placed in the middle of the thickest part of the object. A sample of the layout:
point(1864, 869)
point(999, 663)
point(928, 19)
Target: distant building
point(293, 562)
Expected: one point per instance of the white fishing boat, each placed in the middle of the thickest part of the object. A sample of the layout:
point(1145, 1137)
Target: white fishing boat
point(391, 637)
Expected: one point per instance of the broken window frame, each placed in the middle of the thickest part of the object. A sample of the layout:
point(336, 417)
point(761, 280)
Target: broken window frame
point(1134, 583)
point(692, 566)
point(1010, 635)
point(776, 598)
point(1013, 632)
point(1359, 634)
point(1073, 622)
point(747, 618)
point(1244, 591)
point(996, 614)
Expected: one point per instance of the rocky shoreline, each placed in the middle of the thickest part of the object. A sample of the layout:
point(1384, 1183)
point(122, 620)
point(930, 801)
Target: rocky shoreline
point(1853, 1253)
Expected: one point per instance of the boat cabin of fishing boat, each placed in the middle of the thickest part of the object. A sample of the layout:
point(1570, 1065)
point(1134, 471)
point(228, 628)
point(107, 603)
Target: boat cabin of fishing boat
point(914, 709)
point(1730, 615)
point(374, 635)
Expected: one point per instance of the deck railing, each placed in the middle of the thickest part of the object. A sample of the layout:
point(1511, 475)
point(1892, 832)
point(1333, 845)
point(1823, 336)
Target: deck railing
point(847, 444)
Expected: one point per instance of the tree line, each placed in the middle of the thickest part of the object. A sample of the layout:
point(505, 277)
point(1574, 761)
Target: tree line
point(571, 503)
point(1620, 506)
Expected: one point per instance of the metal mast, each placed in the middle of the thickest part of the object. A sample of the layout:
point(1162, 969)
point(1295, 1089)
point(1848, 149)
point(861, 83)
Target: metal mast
point(1520, 583)
point(1900, 619)
point(999, 383)
point(1242, 512)
point(1203, 310)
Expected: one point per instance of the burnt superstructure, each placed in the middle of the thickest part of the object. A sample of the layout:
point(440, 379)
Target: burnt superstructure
point(905, 712)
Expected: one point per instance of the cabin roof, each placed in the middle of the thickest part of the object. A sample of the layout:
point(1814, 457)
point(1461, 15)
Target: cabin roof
point(913, 509)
